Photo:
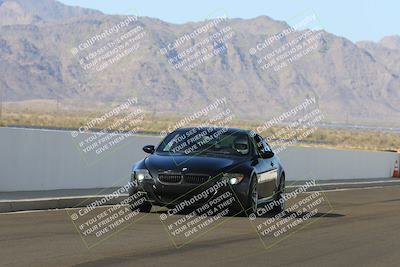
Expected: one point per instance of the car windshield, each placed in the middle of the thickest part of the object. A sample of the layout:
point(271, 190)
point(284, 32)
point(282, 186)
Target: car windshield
point(215, 141)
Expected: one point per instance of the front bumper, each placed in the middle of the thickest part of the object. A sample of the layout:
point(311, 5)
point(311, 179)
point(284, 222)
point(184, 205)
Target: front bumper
point(170, 195)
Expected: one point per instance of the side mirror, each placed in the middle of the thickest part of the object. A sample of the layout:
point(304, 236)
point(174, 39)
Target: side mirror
point(267, 154)
point(149, 149)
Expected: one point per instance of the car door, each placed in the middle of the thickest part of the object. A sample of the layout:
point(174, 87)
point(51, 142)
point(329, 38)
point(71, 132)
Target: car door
point(273, 164)
point(267, 170)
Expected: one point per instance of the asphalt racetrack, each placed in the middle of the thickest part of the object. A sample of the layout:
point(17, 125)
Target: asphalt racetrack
point(356, 227)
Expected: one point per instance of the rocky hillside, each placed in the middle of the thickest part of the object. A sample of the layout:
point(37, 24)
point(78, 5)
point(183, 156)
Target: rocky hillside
point(46, 53)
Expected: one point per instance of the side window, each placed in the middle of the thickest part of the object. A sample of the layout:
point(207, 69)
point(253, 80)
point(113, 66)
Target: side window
point(262, 144)
point(259, 144)
point(266, 146)
point(254, 145)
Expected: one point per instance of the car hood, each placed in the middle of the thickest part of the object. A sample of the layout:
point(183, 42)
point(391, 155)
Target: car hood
point(194, 164)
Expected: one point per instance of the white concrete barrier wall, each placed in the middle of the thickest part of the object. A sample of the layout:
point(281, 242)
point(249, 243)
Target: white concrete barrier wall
point(331, 164)
point(33, 159)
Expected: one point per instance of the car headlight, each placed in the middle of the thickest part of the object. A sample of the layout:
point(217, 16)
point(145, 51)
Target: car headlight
point(140, 175)
point(233, 178)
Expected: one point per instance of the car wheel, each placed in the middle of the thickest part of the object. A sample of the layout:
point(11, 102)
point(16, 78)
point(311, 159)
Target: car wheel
point(280, 197)
point(250, 207)
point(253, 197)
point(144, 207)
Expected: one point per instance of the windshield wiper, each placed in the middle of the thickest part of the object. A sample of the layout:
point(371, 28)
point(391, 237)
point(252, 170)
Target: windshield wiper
point(216, 152)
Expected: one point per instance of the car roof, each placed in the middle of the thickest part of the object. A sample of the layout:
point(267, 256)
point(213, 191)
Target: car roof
point(229, 130)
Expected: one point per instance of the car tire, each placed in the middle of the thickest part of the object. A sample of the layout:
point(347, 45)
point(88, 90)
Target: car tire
point(144, 207)
point(252, 197)
point(250, 207)
point(280, 197)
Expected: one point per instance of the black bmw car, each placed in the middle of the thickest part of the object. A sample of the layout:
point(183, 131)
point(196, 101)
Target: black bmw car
point(190, 160)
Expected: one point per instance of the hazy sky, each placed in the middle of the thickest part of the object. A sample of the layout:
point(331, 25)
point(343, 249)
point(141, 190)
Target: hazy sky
point(354, 19)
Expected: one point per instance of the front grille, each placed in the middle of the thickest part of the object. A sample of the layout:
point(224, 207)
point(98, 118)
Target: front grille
point(196, 178)
point(169, 178)
point(176, 178)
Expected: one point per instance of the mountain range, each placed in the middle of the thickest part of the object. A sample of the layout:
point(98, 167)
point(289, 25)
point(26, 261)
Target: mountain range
point(43, 54)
